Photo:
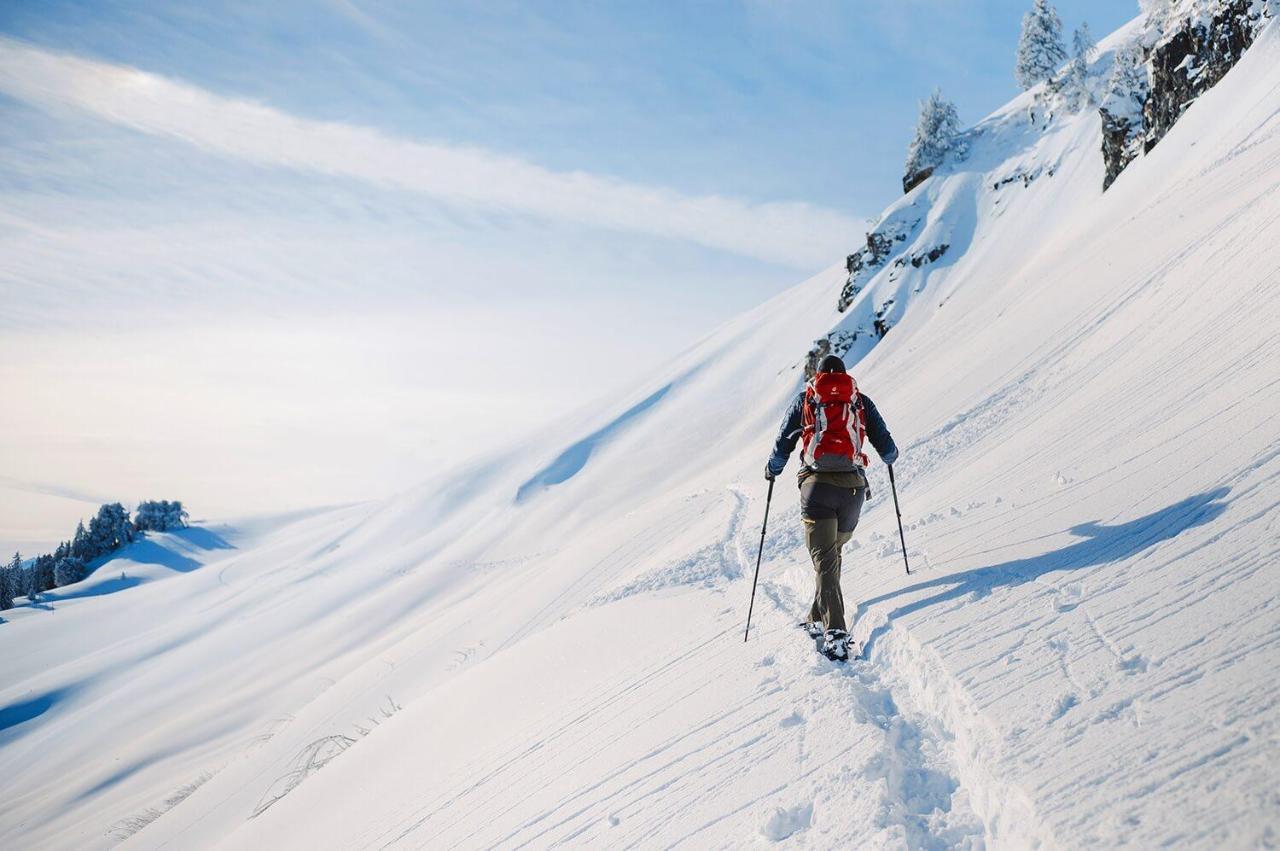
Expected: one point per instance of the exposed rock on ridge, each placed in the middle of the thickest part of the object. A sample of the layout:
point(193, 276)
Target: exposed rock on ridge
point(1187, 60)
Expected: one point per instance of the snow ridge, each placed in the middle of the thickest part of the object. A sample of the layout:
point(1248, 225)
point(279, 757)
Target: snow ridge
point(1085, 390)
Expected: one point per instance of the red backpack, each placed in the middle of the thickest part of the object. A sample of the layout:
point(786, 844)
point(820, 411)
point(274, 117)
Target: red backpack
point(835, 424)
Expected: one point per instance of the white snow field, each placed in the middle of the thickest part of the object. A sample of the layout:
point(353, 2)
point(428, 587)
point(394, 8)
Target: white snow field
point(546, 647)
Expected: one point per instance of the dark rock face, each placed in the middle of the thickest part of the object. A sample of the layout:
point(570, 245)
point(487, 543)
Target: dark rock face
point(1120, 145)
point(835, 343)
point(1026, 178)
point(1186, 62)
point(862, 264)
point(930, 256)
point(1191, 60)
point(911, 180)
point(881, 324)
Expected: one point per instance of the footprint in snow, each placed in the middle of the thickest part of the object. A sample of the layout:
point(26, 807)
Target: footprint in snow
point(1063, 706)
point(795, 719)
point(1068, 597)
point(782, 822)
point(1136, 664)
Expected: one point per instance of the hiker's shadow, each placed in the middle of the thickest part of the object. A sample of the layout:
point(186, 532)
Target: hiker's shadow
point(1100, 545)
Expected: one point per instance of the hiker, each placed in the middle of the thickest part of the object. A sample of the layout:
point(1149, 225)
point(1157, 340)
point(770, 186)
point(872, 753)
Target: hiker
point(833, 420)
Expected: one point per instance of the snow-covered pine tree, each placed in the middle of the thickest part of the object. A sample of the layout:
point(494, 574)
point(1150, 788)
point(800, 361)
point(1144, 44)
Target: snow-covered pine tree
point(11, 581)
point(101, 540)
point(122, 525)
point(177, 515)
point(36, 582)
point(42, 573)
point(1040, 48)
point(160, 515)
point(937, 135)
point(82, 544)
point(67, 571)
point(1083, 42)
point(1128, 85)
point(143, 515)
point(1157, 14)
point(110, 529)
point(1079, 93)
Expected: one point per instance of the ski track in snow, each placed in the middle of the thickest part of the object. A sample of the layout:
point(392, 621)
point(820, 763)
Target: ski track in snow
point(1085, 391)
point(923, 789)
point(902, 753)
point(901, 760)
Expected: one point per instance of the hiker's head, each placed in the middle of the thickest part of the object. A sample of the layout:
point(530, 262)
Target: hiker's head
point(830, 363)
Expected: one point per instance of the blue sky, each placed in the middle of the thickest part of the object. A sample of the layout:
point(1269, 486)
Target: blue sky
point(767, 100)
point(255, 254)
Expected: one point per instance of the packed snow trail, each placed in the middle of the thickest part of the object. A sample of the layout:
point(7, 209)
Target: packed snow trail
point(890, 781)
point(1085, 391)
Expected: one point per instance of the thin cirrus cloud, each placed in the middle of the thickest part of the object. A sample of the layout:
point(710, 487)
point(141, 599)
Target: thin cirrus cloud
point(788, 233)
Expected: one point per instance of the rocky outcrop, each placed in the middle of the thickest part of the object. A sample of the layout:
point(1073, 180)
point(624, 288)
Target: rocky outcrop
point(1026, 178)
point(836, 343)
point(1121, 143)
point(862, 264)
point(931, 256)
point(1190, 60)
point(912, 179)
point(881, 323)
point(1193, 54)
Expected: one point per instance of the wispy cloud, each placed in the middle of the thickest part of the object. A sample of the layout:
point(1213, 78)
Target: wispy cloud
point(789, 233)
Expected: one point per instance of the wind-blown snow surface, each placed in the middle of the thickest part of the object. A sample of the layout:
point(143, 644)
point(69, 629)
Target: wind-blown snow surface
point(1085, 390)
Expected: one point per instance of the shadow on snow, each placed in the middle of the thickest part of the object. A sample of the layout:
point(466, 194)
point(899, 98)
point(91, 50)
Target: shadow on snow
point(27, 710)
point(144, 551)
point(1100, 545)
point(569, 462)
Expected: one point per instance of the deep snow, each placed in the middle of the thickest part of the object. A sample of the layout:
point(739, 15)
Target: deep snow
point(547, 648)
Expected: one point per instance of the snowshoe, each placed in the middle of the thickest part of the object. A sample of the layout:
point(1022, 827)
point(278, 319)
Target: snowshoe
point(835, 645)
point(815, 630)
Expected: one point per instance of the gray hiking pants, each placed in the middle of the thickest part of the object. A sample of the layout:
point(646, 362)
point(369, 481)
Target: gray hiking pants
point(830, 514)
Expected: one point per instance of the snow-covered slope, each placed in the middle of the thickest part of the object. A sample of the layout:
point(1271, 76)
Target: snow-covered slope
point(546, 647)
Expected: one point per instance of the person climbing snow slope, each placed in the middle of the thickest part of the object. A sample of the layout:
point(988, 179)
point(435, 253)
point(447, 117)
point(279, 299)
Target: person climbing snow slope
point(833, 420)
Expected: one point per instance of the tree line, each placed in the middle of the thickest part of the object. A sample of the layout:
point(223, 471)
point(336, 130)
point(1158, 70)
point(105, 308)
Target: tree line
point(109, 530)
point(1042, 60)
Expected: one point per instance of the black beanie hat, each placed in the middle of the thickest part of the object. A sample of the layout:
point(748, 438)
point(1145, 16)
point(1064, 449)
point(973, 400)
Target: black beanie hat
point(830, 363)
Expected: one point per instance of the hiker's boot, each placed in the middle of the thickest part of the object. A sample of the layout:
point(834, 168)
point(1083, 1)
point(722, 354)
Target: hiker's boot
point(835, 645)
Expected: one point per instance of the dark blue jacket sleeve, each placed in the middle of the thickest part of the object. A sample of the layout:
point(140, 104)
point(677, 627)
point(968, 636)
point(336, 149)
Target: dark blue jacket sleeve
point(878, 432)
point(787, 437)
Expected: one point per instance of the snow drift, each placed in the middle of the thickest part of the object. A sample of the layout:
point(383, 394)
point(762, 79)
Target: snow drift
point(546, 648)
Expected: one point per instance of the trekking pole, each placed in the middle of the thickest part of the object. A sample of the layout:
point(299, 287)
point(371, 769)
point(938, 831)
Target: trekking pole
point(759, 556)
point(898, 511)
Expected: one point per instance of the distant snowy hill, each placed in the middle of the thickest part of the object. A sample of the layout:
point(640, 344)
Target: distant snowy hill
point(547, 647)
